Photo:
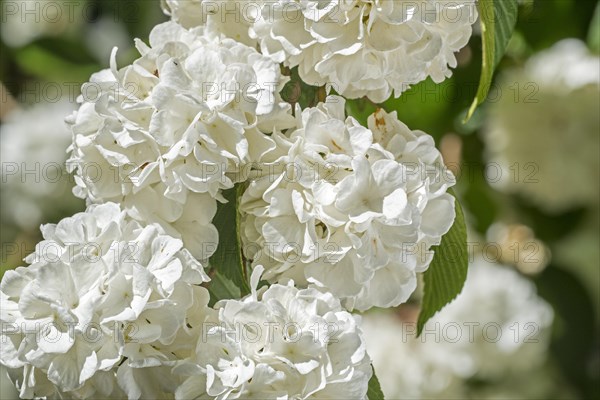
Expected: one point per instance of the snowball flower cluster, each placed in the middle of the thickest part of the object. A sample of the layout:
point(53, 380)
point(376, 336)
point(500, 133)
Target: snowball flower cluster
point(535, 130)
point(363, 47)
point(354, 210)
point(103, 309)
point(359, 47)
point(108, 308)
point(167, 133)
point(336, 216)
point(279, 342)
point(495, 331)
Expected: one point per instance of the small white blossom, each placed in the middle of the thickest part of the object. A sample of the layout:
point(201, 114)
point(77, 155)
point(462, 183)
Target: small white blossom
point(103, 309)
point(279, 343)
point(351, 209)
point(166, 134)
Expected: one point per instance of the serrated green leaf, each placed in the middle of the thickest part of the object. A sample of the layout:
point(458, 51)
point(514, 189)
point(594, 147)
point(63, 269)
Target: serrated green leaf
point(228, 259)
point(498, 19)
point(446, 275)
point(374, 391)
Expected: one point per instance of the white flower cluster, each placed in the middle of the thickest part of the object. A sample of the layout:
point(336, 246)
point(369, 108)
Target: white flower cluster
point(359, 47)
point(497, 330)
point(351, 209)
point(167, 133)
point(279, 343)
point(109, 308)
point(103, 310)
point(330, 195)
point(338, 216)
point(535, 129)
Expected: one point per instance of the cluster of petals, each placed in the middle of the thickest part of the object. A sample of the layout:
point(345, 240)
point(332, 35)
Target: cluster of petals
point(164, 135)
point(105, 308)
point(365, 47)
point(335, 216)
point(231, 18)
point(351, 209)
point(360, 47)
point(278, 342)
point(108, 308)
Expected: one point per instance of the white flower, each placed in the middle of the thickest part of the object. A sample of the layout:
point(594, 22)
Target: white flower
point(497, 330)
point(175, 128)
point(542, 132)
point(364, 47)
point(283, 343)
point(35, 184)
point(351, 209)
point(105, 308)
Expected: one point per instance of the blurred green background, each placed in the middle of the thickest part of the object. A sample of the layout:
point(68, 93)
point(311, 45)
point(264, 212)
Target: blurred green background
point(560, 127)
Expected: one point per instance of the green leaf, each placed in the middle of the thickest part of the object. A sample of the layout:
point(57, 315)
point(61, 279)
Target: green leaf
point(445, 277)
point(221, 288)
point(498, 19)
point(228, 259)
point(594, 32)
point(46, 65)
point(374, 391)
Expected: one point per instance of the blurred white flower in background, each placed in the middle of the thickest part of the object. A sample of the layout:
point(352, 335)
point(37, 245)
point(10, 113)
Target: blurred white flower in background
point(543, 130)
point(516, 244)
point(35, 182)
point(496, 329)
point(26, 20)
